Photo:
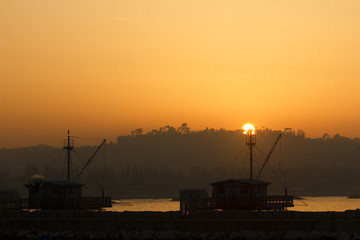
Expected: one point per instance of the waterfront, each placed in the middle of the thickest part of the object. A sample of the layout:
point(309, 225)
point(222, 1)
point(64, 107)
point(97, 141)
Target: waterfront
point(308, 204)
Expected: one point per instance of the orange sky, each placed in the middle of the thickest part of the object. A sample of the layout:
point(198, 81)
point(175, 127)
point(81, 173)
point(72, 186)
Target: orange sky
point(103, 68)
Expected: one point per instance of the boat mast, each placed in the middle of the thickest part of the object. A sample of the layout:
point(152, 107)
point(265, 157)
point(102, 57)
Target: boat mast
point(68, 146)
point(251, 142)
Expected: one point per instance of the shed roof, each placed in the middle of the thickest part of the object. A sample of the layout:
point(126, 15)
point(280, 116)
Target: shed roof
point(241, 181)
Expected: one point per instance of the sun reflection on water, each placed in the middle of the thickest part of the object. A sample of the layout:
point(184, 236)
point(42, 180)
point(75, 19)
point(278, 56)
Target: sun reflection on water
point(308, 204)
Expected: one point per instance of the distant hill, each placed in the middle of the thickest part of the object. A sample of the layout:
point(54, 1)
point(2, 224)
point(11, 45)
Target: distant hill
point(162, 161)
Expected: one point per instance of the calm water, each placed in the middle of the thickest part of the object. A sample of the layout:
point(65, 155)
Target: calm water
point(309, 204)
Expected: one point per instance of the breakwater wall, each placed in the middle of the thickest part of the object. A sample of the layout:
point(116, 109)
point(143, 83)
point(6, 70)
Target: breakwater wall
point(203, 221)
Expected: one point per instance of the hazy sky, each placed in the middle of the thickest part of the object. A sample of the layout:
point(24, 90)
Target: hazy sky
point(103, 68)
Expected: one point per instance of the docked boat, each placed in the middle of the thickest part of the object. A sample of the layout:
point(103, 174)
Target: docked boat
point(239, 194)
point(63, 194)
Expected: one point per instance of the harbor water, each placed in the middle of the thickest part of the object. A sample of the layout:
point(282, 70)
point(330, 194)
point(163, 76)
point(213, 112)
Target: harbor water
point(307, 204)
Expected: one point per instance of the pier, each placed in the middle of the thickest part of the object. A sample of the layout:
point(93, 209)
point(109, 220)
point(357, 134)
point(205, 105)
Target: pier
point(202, 221)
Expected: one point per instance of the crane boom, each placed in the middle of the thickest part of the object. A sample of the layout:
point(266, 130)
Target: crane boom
point(90, 159)
point(268, 156)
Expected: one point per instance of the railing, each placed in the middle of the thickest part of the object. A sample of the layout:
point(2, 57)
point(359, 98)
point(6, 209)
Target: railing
point(259, 203)
point(97, 202)
point(76, 203)
point(10, 203)
point(281, 201)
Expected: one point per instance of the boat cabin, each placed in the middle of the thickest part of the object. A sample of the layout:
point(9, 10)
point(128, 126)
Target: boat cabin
point(61, 195)
point(54, 195)
point(240, 194)
point(247, 194)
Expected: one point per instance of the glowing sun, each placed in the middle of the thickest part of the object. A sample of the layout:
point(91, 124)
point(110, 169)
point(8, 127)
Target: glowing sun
point(248, 127)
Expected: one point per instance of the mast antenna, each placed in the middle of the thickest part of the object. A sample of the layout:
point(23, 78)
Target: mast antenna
point(68, 146)
point(249, 131)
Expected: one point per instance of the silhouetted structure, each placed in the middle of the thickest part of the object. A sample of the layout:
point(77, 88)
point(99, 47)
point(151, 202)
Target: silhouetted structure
point(194, 199)
point(240, 194)
point(247, 194)
point(62, 195)
point(158, 162)
point(10, 199)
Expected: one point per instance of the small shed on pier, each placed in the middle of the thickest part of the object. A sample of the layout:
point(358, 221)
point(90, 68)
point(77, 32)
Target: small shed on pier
point(194, 199)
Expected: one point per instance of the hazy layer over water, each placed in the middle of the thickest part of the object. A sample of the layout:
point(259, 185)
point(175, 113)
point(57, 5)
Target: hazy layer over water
point(309, 204)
